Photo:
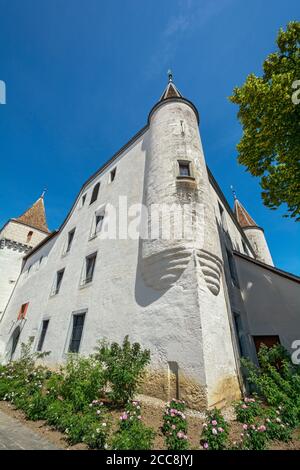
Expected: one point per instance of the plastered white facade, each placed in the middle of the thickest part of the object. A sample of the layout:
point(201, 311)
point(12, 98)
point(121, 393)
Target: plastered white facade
point(174, 297)
point(258, 242)
point(14, 243)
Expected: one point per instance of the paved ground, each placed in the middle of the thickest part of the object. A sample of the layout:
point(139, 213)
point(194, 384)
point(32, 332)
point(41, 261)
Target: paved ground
point(16, 436)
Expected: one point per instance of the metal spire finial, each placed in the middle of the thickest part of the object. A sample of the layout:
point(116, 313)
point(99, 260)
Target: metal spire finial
point(170, 75)
point(43, 193)
point(233, 192)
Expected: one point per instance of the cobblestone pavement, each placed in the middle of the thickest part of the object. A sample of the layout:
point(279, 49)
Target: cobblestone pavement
point(17, 436)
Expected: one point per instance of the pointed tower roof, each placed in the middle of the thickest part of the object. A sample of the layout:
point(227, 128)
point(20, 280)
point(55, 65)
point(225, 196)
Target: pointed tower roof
point(170, 91)
point(243, 217)
point(35, 216)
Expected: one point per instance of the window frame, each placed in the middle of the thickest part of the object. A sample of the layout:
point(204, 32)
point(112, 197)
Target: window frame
point(69, 244)
point(23, 312)
point(82, 200)
point(187, 163)
point(71, 328)
point(95, 193)
point(84, 277)
point(39, 347)
point(55, 290)
point(99, 212)
point(112, 174)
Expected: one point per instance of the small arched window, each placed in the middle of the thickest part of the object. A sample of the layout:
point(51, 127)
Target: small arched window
point(29, 235)
point(95, 193)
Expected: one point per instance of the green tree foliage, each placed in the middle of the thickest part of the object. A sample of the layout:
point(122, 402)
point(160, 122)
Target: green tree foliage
point(270, 145)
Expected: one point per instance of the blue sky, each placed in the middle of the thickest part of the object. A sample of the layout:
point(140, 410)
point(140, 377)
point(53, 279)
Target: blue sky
point(82, 75)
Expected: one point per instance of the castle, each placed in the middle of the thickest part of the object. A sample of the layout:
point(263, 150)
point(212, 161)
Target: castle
point(198, 301)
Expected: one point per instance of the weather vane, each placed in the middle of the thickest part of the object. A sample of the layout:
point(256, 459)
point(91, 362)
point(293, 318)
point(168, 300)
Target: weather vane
point(43, 193)
point(170, 75)
point(233, 192)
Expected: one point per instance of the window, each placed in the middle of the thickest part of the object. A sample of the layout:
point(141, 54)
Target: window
point(90, 262)
point(23, 311)
point(232, 268)
point(184, 169)
point(58, 281)
point(113, 174)
point(29, 236)
point(268, 341)
point(70, 239)
point(97, 222)
point(43, 334)
point(76, 334)
point(83, 200)
point(95, 193)
point(14, 340)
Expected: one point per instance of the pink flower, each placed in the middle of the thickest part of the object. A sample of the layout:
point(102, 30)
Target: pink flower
point(261, 428)
point(180, 435)
point(214, 422)
point(205, 445)
point(220, 429)
point(244, 406)
point(173, 426)
point(245, 427)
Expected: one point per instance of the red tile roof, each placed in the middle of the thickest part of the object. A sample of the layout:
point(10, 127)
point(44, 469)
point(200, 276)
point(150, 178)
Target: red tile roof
point(35, 216)
point(243, 217)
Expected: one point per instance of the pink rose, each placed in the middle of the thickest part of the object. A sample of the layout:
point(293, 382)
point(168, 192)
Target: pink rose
point(214, 422)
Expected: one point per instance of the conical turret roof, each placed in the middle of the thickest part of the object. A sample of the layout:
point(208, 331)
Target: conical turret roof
point(171, 90)
point(242, 215)
point(35, 216)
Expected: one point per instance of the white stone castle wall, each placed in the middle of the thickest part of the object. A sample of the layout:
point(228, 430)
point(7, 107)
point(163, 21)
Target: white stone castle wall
point(187, 322)
point(258, 241)
point(18, 232)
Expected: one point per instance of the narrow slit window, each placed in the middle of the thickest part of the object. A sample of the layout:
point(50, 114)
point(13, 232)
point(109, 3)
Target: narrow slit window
point(43, 335)
point(29, 236)
point(58, 281)
point(184, 169)
point(70, 240)
point(113, 174)
point(83, 200)
point(76, 334)
point(95, 193)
